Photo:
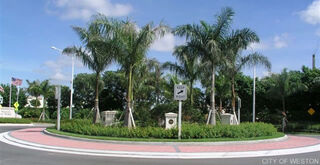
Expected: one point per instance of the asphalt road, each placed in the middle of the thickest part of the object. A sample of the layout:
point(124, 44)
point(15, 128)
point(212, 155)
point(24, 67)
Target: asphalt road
point(11, 155)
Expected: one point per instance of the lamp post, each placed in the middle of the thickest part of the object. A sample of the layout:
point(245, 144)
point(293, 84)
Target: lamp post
point(71, 85)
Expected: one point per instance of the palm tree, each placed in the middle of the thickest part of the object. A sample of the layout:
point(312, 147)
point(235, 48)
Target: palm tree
point(232, 47)
point(135, 44)
point(100, 46)
point(188, 67)
point(283, 87)
point(45, 89)
point(34, 89)
point(205, 39)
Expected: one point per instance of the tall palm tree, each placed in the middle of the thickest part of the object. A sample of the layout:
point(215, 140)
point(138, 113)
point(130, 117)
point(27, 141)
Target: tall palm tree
point(135, 44)
point(206, 39)
point(188, 67)
point(100, 44)
point(233, 45)
point(34, 89)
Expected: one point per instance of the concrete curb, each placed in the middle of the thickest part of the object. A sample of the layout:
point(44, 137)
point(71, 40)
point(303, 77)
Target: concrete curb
point(11, 124)
point(285, 137)
point(6, 138)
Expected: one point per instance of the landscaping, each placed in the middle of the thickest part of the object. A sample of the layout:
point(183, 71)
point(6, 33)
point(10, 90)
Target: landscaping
point(190, 132)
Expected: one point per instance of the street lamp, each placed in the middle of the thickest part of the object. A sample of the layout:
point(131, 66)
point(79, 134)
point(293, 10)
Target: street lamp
point(71, 85)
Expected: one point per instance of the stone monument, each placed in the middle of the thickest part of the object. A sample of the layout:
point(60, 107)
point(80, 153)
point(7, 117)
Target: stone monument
point(171, 120)
point(108, 117)
point(228, 119)
point(8, 112)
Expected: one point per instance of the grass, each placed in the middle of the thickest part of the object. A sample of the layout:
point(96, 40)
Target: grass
point(15, 121)
point(53, 130)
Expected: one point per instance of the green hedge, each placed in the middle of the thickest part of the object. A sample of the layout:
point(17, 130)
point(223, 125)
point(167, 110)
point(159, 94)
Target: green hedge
point(189, 131)
point(303, 127)
point(28, 112)
point(14, 120)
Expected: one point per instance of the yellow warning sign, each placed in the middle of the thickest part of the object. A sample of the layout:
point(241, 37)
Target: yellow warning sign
point(311, 111)
point(0, 106)
point(16, 105)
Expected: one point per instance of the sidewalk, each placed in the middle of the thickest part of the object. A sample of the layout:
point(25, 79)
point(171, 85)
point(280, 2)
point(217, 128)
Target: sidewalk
point(34, 138)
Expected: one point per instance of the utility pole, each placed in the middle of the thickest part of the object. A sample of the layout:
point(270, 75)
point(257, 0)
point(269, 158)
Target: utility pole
point(254, 95)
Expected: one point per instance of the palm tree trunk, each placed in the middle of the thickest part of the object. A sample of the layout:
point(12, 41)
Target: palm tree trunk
point(213, 108)
point(283, 104)
point(220, 107)
point(233, 96)
point(127, 121)
point(96, 116)
point(191, 93)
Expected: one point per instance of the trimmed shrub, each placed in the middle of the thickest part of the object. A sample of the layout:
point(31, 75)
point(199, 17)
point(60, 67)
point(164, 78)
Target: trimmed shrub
point(28, 112)
point(14, 120)
point(189, 131)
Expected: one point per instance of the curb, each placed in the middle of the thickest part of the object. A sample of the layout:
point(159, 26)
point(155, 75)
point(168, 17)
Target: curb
point(27, 125)
point(6, 138)
point(285, 137)
point(10, 124)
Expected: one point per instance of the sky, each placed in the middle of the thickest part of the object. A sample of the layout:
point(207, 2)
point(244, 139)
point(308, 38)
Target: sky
point(289, 31)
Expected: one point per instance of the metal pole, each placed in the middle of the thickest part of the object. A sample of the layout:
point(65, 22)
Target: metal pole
point(71, 93)
point(179, 120)
point(18, 90)
point(179, 124)
point(10, 95)
point(254, 95)
point(58, 92)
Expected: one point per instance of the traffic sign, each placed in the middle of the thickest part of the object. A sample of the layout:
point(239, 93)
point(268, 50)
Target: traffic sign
point(180, 92)
point(311, 111)
point(16, 105)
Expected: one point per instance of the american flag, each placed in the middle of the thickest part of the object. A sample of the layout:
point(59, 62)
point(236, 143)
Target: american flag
point(16, 81)
point(1, 89)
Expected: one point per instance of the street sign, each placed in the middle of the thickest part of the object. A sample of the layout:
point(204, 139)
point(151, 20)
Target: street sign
point(16, 105)
point(180, 92)
point(311, 111)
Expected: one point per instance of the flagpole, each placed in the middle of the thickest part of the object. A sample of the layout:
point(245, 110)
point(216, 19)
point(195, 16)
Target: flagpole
point(10, 94)
point(18, 88)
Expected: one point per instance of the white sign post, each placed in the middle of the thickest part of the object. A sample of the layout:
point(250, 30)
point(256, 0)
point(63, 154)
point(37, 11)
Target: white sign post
point(180, 93)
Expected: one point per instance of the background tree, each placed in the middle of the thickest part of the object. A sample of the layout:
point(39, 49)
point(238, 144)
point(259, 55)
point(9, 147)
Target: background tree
point(45, 89)
point(188, 67)
point(233, 46)
point(283, 87)
point(34, 89)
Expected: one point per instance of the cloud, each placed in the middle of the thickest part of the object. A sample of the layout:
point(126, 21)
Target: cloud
point(164, 44)
point(167, 43)
point(258, 46)
point(312, 14)
point(280, 41)
point(58, 70)
point(84, 9)
point(277, 42)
